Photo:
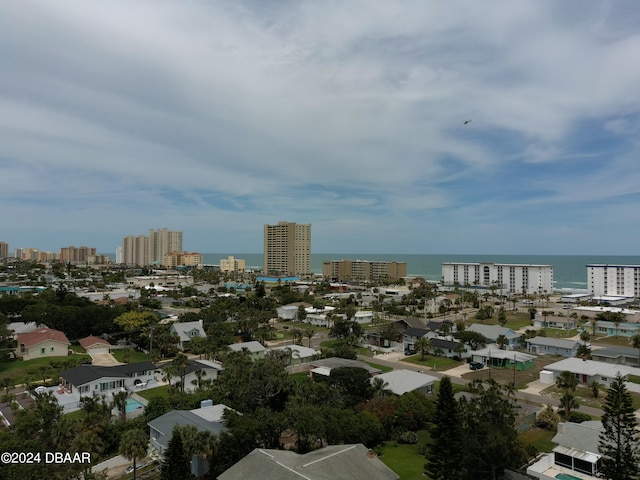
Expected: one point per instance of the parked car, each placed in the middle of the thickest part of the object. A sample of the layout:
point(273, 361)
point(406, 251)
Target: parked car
point(476, 365)
point(130, 468)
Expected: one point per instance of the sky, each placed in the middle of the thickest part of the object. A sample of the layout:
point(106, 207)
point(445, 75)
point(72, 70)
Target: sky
point(419, 127)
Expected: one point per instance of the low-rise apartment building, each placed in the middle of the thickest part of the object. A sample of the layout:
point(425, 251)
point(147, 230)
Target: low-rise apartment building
point(363, 270)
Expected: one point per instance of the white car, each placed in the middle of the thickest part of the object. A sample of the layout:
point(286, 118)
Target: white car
point(130, 468)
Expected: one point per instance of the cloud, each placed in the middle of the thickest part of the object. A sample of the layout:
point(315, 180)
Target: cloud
point(216, 118)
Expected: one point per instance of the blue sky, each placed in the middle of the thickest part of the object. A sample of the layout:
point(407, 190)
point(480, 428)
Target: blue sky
point(217, 117)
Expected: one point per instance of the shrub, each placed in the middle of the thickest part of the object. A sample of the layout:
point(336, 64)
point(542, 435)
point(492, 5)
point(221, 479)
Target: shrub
point(578, 417)
point(408, 437)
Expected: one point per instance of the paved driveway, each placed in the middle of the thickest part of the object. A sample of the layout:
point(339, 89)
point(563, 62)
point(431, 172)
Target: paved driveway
point(104, 360)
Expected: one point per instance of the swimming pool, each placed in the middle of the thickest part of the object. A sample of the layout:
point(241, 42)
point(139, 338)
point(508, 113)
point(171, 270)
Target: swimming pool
point(133, 405)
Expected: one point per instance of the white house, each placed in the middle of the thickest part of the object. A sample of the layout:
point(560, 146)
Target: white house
point(403, 381)
point(299, 353)
point(186, 331)
point(552, 346)
point(586, 371)
point(255, 349)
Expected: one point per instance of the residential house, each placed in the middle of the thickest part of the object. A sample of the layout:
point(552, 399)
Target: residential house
point(288, 312)
point(325, 365)
point(186, 331)
point(411, 336)
point(94, 380)
point(95, 345)
point(492, 332)
point(255, 348)
point(355, 462)
point(411, 322)
point(576, 454)
point(446, 347)
point(207, 418)
point(613, 329)
point(552, 346)
point(555, 321)
point(401, 381)
point(297, 354)
point(42, 342)
point(619, 355)
point(16, 328)
point(509, 359)
point(196, 371)
point(587, 371)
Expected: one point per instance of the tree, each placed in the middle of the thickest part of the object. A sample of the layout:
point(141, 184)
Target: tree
point(568, 382)
point(502, 341)
point(135, 320)
point(447, 450)
point(309, 332)
point(423, 344)
point(133, 445)
point(473, 339)
point(619, 437)
point(120, 403)
point(502, 317)
point(549, 417)
point(176, 462)
point(301, 315)
point(180, 364)
point(585, 336)
point(594, 385)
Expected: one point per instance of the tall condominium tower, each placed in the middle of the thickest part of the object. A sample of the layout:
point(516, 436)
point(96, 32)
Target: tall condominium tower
point(287, 249)
point(4, 250)
point(135, 250)
point(161, 242)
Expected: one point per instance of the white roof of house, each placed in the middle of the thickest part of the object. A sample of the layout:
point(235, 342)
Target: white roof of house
point(211, 413)
point(493, 331)
point(403, 381)
point(253, 346)
point(298, 351)
point(553, 342)
point(509, 354)
point(591, 367)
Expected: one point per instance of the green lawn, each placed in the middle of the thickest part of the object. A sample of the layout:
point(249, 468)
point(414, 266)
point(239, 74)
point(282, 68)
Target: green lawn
point(20, 371)
point(617, 341)
point(135, 356)
point(539, 438)
point(406, 460)
point(162, 391)
point(559, 333)
point(431, 361)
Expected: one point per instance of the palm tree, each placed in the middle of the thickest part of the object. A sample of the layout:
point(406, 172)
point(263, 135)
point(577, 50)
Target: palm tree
point(120, 402)
point(424, 345)
point(595, 388)
point(133, 445)
point(309, 333)
point(568, 382)
point(380, 387)
point(584, 336)
point(180, 363)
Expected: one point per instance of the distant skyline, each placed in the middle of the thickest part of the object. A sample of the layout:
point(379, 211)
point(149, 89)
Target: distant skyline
point(215, 118)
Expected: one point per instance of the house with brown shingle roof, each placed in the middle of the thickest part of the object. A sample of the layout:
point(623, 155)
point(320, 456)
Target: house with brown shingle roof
point(43, 342)
point(94, 345)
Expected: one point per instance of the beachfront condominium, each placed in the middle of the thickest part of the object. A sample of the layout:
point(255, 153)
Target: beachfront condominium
point(614, 280)
point(287, 249)
point(4, 250)
point(151, 250)
point(231, 264)
point(363, 270)
point(503, 277)
point(76, 255)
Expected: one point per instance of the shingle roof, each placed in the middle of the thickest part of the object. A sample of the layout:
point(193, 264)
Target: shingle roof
point(581, 436)
point(416, 332)
point(253, 347)
point(336, 362)
point(491, 332)
point(553, 342)
point(352, 462)
point(88, 373)
point(183, 328)
point(443, 343)
point(165, 423)
point(403, 381)
point(42, 335)
point(91, 341)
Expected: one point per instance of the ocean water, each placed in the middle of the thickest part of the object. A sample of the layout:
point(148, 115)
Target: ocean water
point(569, 271)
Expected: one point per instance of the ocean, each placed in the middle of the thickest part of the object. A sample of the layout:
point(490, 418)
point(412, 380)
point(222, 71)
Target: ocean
point(569, 271)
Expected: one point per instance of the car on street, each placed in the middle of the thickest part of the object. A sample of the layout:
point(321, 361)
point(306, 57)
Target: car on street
point(130, 468)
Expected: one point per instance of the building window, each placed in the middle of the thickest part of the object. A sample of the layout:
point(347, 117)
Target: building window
point(42, 351)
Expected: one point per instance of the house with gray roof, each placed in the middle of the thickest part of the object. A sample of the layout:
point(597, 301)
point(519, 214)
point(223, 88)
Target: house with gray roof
point(206, 418)
point(492, 332)
point(619, 355)
point(325, 365)
point(186, 331)
point(411, 336)
point(575, 453)
point(552, 346)
point(297, 353)
point(400, 382)
point(445, 347)
point(197, 372)
point(255, 348)
point(353, 462)
point(586, 371)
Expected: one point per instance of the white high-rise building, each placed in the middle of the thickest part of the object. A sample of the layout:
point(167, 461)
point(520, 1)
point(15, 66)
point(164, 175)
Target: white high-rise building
point(615, 280)
point(287, 249)
point(505, 277)
point(119, 255)
point(151, 250)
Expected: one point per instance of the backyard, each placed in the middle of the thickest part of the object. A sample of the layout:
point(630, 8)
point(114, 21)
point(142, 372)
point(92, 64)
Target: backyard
point(16, 372)
point(506, 376)
point(406, 460)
